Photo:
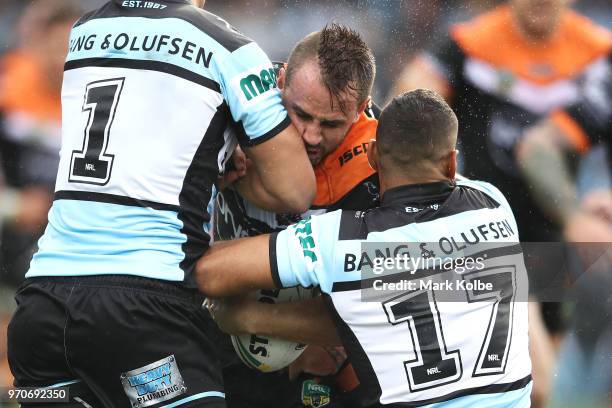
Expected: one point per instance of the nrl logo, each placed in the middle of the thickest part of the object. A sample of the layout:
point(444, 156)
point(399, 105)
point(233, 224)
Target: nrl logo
point(315, 395)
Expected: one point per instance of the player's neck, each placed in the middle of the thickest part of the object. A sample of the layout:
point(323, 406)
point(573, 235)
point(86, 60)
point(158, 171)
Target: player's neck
point(390, 181)
point(536, 35)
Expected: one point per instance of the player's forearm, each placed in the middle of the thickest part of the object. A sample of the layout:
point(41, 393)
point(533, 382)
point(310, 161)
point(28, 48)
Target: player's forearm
point(545, 167)
point(252, 189)
point(551, 183)
point(306, 321)
point(235, 267)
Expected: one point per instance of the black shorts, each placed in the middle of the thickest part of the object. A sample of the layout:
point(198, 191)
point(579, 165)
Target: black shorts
point(118, 341)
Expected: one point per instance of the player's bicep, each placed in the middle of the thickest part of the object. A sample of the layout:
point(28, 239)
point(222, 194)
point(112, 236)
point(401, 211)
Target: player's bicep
point(265, 132)
point(545, 134)
point(234, 267)
point(281, 164)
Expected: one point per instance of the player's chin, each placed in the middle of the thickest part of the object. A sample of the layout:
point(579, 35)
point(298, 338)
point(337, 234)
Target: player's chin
point(315, 157)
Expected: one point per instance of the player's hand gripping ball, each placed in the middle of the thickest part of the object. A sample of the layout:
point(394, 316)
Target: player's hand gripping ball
point(263, 353)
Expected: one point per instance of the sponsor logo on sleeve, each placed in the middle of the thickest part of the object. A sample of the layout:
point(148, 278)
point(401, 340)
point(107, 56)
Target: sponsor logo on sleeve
point(303, 231)
point(251, 84)
point(153, 383)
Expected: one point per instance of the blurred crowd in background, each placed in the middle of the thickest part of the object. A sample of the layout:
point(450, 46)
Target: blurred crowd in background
point(33, 40)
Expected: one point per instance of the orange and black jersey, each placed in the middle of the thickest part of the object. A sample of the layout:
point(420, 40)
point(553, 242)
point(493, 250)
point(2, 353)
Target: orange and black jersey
point(30, 122)
point(501, 83)
point(589, 121)
point(345, 181)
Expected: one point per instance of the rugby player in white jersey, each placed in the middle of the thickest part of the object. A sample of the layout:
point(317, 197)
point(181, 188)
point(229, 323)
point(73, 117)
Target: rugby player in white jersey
point(110, 306)
point(412, 346)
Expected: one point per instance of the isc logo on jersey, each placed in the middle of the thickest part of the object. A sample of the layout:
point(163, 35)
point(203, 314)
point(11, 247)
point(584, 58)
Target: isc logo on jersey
point(253, 83)
point(265, 353)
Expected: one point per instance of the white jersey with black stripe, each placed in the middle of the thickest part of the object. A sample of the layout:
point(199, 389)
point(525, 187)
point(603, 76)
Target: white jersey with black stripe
point(425, 331)
point(149, 91)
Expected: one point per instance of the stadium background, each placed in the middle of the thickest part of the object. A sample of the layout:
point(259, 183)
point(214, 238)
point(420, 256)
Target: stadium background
point(394, 29)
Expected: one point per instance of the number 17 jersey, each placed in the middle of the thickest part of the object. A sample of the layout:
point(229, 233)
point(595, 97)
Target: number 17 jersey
point(448, 329)
point(149, 91)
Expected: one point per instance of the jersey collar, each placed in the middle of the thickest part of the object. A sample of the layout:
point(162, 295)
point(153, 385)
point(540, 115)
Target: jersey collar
point(161, 1)
point(417, 193)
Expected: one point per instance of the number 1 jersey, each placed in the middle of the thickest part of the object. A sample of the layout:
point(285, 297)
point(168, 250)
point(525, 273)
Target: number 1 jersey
point(149, 91)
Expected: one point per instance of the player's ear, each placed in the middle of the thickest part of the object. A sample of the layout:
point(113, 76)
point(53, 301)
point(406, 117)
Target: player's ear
point(373, 155)
point(280, 80)
point(451, 165)
point(362, 107)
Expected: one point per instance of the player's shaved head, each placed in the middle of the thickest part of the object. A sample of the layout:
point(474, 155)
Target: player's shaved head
point(346, 63)
point(416, 131)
